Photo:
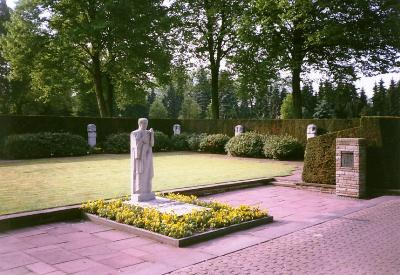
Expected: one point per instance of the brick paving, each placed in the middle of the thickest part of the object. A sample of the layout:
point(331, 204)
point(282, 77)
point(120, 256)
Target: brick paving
point(365, 242)
point(312, 233)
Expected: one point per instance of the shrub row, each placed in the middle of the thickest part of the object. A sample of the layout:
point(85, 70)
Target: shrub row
point(64, 144)
point(43, 145)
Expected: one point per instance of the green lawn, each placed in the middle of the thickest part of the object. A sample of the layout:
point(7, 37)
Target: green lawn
point(43, 183)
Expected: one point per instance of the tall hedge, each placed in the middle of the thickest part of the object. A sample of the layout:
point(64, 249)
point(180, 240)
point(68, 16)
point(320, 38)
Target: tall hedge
point(13, 124)
point(382, 136)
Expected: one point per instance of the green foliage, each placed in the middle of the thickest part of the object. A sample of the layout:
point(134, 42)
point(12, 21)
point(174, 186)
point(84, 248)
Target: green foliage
point(180, 142)
point(117, 143)
point(44, 145)
point(214, 143)
point(283, 148)
point(161, 142)
point(158, 110)
point(323, 110)
point(194, 141)
point(190, 108)
point(219, 215)
point(248, 144)
point(287, 109)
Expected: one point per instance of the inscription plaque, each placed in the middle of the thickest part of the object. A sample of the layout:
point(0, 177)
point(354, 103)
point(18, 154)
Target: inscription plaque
point(347, 159)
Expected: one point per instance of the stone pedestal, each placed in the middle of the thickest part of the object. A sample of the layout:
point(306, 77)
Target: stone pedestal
point(177, 129)
point(239, 129)
point(92, 135)
point(311, 131)
point(350, 167)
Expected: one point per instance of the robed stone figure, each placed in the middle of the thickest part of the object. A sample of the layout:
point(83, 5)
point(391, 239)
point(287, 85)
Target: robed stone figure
point(142, 141)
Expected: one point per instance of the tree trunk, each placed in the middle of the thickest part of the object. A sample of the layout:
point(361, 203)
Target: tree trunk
point(296, 91)
point(109, 95)
point(214, 91)
point(98, 83)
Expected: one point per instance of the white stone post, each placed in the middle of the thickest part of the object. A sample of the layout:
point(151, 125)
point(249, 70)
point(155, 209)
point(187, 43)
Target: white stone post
point(92, 134)
point(351, 167)
point(239, 129)
point(177, 129)
point(311, 131)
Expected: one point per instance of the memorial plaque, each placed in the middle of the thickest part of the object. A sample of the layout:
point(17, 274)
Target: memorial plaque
point(347, 159)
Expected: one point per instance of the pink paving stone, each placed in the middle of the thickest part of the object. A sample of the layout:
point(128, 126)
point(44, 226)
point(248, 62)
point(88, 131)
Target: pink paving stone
point(74, 236)
point(52, 254)
point(10, 243)
point(99, 270)
point(56, 273)
point(94, 250)
point(129, 243)
point(84, 242)
point(174, 256)
point(77, 265)
point(117, 260)
point(90, 227)
point(40, 268)
point(136, 252)
point(147, 268)
point(17, 271)
point(15, 259)
point(113, 235)
point(41, 240)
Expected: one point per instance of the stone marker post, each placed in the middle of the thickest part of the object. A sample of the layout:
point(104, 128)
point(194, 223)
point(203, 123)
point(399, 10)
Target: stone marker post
point(177, 129)
point(311, 131)
point(92, 134)
point(142, 141)
point(350, 167)
point(239, 129)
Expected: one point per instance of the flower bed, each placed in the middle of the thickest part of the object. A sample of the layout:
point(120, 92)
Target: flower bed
point(218, 216)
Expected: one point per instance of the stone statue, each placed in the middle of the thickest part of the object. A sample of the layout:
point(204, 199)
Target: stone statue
point(311, 131)
point(177, 129)
point(142, 141)
point(92, 134)
point(239, 129)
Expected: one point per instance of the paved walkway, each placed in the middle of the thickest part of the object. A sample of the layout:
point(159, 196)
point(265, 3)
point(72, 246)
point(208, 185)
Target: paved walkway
point(312, 233)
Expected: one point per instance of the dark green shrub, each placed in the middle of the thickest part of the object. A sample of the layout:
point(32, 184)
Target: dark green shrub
point(214, 143)
point(180, 142)
point(43, 145)
point(161, 142)
point(194, 141)
point(117, 143)
point(283, 147)
point(246, 145)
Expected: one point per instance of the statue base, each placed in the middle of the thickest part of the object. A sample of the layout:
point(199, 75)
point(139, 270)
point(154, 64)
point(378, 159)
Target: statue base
point(143, 197)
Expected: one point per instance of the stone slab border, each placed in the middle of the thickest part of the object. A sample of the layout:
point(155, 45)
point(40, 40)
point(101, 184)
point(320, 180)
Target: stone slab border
point(24, 219)
point(177, 242)
point(215, 188)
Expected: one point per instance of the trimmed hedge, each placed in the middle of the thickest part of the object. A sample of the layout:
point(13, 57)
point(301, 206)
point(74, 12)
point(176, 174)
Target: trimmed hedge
point(117, 143)
point(194, 141)
point(44, 145)
point(320, 156)
point(214, 143)
point(283, 148)
point(14, 124)
point(249, 144)
point(161, 142)
point(180, 142)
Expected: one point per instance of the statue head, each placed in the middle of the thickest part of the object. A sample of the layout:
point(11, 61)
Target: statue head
point(143, 122)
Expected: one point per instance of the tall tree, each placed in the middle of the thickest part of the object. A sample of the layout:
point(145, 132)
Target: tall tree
point(4, 67)
point(202, 90)
point(116, 45)
point(337, 37)
point(393, 94)
point(207, 28)
point(379, 99)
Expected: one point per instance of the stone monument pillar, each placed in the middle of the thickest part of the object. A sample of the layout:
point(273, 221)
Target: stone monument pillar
point(311, 131)
point(177, 129)
point(350, 167)
point(92, 134)
point(239, 129)
point(142, 141)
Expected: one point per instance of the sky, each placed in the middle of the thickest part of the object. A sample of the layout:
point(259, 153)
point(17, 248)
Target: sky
point(364, 82)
